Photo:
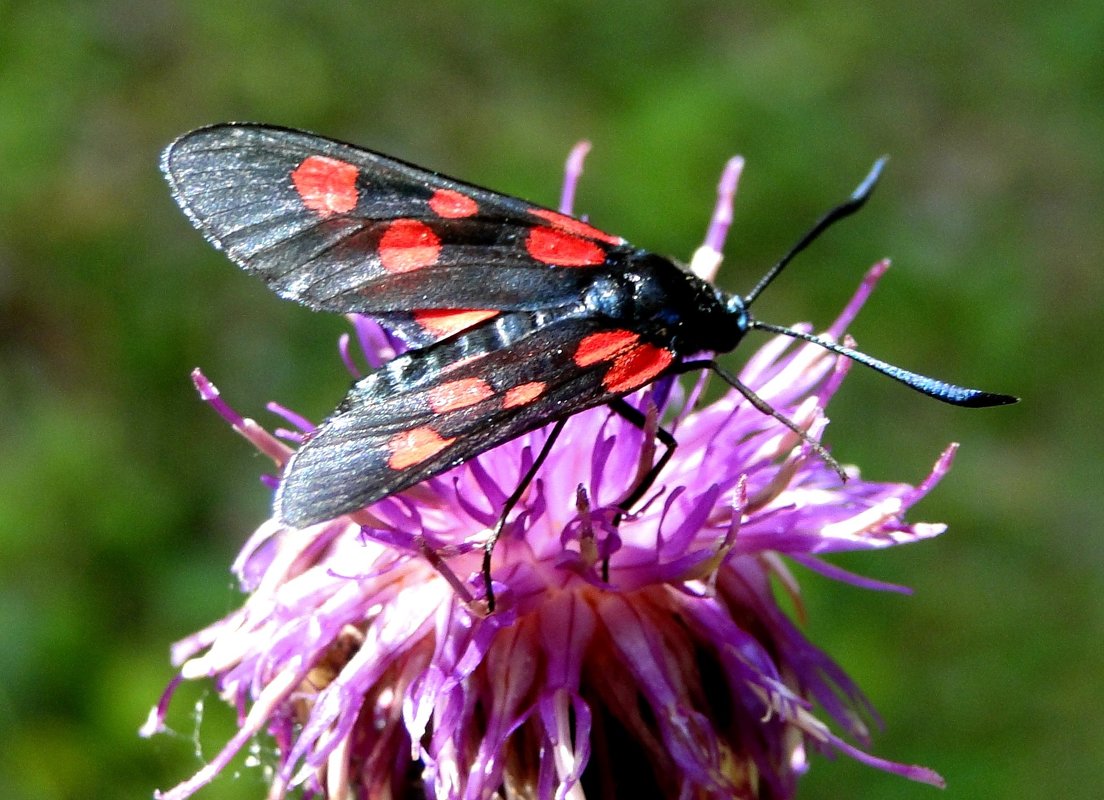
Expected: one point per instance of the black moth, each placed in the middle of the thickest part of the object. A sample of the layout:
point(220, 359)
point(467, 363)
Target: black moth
point(517, 315)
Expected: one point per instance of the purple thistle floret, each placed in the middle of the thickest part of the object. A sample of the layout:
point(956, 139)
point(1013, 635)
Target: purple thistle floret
point(645, 659)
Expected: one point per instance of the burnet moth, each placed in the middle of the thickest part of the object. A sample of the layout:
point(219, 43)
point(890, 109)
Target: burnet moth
point(517, 316)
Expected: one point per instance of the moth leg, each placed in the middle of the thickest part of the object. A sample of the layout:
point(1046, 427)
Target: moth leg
point(508, 506)
point(636, 418)
point(764, 407)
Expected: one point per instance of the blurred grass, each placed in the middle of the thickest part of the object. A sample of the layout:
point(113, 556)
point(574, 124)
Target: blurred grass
point(122, 500)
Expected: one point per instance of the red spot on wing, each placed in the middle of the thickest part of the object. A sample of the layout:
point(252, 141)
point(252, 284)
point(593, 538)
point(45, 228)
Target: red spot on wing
point(407, 245)
point(576, 226)
point(562, 249)
point(452, 205)
point(603, 346)
point(415, 446)
point(638, 366)
point(458, 394)
point(442, 322)
point(523, 394)
point(325, 185)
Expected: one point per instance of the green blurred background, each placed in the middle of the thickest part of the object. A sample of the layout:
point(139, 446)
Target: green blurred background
point(123, 499)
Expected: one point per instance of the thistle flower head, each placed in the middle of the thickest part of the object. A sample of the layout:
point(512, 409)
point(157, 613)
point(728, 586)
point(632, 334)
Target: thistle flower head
point(641, 657)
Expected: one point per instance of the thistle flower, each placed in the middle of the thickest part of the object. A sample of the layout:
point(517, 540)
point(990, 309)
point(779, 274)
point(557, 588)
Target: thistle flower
point(648, 658)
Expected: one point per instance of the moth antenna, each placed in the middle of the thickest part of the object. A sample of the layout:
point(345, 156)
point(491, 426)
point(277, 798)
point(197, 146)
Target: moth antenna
point(940, 390)
point(845, 209)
